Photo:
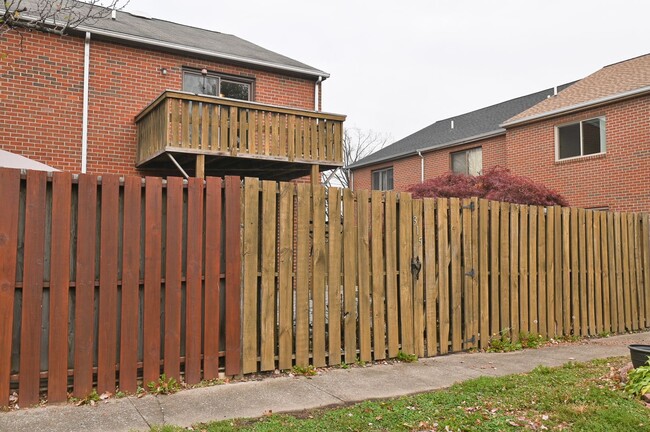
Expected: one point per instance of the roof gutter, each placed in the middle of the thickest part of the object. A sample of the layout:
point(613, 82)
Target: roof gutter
point(577, 107)
point(193, 50)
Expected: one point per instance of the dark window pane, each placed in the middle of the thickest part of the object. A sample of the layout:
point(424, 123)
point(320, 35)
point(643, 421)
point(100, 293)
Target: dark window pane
point(235, 90)
point(459, 162)
point(200, 84)
point(569, 137)
point(591, 137)
point(192, 83)
point(375, 180)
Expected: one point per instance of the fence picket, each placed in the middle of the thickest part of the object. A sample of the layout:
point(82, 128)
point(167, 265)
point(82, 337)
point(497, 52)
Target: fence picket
point(302, 287)
point(233, 275)
point(10, 196)
point(619, 272)
point(173, 277)
point(533, 318)
point(267, 287)
point(484, 287)
point(634, 301)
point(392, 334)
point(334, 275)
point(107, 332)
point(504, 286)
point(598, 293)
point(405, 280)
point(550, 272)
point(131, 248)
point(85, 285)
point(456, 275)
point(523, 269)
point(349, 277)
point(431, 276)
point(645, 235)
point(57, 382)
point(363, 257)
point(212, 297)
point(566, 271)
point(418, 280)
point(285, 278)
point(378, 277)
point(443, 273)
point(319, 267)
point(250, 311)
point(627, 289)
point(468, 274)
point(514, 272)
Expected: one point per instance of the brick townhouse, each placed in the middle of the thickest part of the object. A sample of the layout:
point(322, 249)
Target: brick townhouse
point(130, 94)
point(589, 140)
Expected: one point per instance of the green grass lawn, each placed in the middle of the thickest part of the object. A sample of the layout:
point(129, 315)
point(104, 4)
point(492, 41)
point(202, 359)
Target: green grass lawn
point(576, 397)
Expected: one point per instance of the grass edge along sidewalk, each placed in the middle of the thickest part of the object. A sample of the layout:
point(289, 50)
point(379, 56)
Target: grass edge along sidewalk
point(577, 396)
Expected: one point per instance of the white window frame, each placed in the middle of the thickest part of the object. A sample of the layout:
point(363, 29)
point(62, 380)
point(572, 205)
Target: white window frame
point(222, 77)
point(383, 174)
point(466, 152)
point(603, 139)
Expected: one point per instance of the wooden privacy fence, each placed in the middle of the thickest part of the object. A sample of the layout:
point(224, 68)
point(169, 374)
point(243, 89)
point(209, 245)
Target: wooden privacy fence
point(112, 281)
point(332, 275)
point(109, 281)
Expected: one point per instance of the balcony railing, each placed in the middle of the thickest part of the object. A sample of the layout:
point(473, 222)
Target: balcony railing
point(179, 122)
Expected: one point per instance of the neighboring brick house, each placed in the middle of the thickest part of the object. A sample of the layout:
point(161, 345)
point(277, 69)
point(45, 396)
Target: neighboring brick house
point(473, 141)
point(590, 142)
point(127, 62)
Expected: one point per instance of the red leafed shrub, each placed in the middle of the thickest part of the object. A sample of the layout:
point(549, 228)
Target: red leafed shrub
point(497, 184)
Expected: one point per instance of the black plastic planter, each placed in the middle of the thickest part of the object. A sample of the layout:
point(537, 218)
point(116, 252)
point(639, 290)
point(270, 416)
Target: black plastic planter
point(640, 354)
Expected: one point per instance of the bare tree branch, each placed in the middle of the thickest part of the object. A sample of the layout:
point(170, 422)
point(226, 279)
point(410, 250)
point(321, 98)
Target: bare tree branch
point(357, 144)
point(54, 16)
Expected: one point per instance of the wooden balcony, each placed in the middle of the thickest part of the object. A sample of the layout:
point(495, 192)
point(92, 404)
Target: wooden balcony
point(224, 136)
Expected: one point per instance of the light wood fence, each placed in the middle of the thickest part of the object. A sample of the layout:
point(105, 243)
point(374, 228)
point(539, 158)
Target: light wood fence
point(332, 275)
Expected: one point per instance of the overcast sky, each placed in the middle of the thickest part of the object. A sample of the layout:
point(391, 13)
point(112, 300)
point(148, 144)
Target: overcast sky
point(398, 66)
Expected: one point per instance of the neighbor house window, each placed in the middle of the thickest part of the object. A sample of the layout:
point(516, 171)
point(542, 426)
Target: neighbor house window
point(467, 161)
point(217, 85)
point(382, 179)
point(583, 138)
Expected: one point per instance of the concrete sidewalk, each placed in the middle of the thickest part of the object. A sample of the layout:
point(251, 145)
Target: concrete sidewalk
point(284, 394)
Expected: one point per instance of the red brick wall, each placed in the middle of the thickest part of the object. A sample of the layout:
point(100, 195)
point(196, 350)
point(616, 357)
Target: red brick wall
point(407, 171)
point(619, 179)
point(41, 90)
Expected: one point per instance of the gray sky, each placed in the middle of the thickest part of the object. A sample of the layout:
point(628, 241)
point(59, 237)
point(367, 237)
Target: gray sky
point(397, 67)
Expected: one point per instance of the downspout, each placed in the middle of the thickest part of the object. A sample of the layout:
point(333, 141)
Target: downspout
point(351, 175)
point(421, 166)
point(84, 122)
point(318, 94)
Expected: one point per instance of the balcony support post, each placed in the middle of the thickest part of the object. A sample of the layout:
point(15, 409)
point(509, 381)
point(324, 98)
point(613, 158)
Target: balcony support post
point(200, 166)
point(315, 175)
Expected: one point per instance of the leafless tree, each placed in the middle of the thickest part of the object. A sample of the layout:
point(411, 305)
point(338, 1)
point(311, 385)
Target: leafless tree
point(357, 144)
point(53, 16)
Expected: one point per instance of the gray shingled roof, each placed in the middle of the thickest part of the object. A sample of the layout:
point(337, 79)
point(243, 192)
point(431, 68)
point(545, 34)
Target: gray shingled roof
point(169, 35)
point(468, 127)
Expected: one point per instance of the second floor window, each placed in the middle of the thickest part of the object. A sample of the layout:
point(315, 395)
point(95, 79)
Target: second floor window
point(216, 85)
point(583, 138)
point(382, 179)
point(469, 162)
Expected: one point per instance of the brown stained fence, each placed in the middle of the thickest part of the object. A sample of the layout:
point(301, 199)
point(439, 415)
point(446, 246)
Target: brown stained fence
point(108, 281)
point(332, 275)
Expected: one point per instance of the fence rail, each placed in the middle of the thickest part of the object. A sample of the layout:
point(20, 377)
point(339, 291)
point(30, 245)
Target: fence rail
point(109, 281)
